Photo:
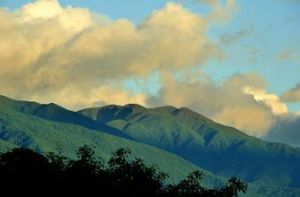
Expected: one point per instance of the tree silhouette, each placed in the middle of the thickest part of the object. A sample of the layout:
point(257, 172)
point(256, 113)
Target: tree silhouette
point(233, 186)
point(133, 177)
point(187, 187)
point(121, 176)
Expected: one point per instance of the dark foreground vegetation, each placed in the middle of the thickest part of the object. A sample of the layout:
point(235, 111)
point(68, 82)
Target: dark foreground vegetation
point(25, 171)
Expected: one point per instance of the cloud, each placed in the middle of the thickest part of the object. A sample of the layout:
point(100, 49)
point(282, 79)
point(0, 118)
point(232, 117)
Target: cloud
point(70, 56)
point(271, 100)
point(251, 119)
point(46, 49)
point(41, 9)
point(27, 37)
point(104, 95)
point(290, 54)
point(226, 103)
point(292, 95)
point(228, 39)
point(286, 131)
point(220, 12)
point(124, 49)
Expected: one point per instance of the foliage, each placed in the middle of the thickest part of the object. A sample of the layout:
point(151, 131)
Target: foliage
point(122, 175)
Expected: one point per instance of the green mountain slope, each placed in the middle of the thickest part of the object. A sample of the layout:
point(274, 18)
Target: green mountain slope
point(222, 150)
point(20, 129)
point(50, 128)
point(56, 113)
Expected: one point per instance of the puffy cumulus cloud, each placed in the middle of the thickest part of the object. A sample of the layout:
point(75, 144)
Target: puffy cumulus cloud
point(171, 38)
point(27, 37)
point(252, 119)
point(271, 100)
point(226, 103)
point(76, 58)
point(104, 95)
point(41, 9)
point(292, 95)
point(72, 19)
point(46, 47)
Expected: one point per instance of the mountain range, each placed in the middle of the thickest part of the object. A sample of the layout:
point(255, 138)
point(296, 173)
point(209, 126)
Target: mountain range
point(177, 140)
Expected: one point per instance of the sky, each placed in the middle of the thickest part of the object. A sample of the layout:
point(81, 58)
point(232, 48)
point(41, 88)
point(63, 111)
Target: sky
point(237, 62)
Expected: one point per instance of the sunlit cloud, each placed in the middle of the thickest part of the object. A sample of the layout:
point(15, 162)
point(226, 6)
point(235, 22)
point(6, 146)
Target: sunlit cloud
point(47, 47)
point(226, 103)
point(271, 100)
point(76, 58)
point(103, 95)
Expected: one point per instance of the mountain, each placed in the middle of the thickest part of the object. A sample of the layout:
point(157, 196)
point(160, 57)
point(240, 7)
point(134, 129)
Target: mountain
point(18, 128)
point(223, 150)
point(56, 113)
point(178, 141)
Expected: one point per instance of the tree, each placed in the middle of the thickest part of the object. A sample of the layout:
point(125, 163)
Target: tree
point(122, 176)
point(233, 187)
point(85, 173)
point(24, 168)
point(133, 177)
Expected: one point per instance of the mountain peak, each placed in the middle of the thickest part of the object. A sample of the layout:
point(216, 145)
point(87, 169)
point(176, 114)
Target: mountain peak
point(167, 108)
point(223, 150)
point(134, 106)
point(52, 105)
point(3, 97)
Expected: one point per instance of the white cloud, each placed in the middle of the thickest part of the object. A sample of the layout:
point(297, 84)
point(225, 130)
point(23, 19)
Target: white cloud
point(71, 19)
point(226, 103)
point(271, 100)
point(70, 56)
point(46, 47)
point(77, 99)
point(42, 9)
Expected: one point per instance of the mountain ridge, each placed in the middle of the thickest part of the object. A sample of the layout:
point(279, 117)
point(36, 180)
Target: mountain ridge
point(164, 127)
point(18, 129)
point(203, 142)
point(54, 112)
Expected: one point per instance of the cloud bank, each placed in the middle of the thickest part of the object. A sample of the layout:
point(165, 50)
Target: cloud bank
point(239, 101)
point(76, 58)
point(48, 49)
